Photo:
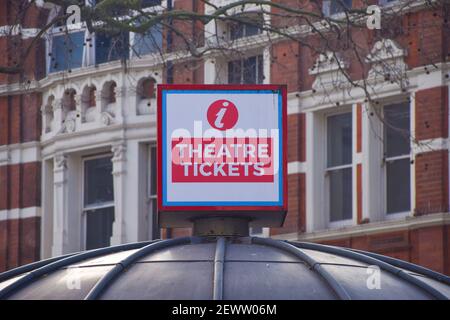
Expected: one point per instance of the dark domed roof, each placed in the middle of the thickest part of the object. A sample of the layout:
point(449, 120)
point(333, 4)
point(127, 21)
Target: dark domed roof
point(220, 268)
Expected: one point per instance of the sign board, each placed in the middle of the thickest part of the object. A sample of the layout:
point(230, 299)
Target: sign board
point(221, 152)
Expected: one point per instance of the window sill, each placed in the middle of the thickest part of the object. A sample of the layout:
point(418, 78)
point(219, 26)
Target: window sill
point(340, 224)
point(397, 216)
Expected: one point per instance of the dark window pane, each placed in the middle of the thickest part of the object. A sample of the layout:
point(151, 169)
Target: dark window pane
point(236, 31)
point(341, 194)
point(260, 69)
point(150, 3)
point(246, 71)
point(250, 70)
point(383, 2)
point(339, 139)
point(67, 51)
point(397, 133)
point(234, 72)
point(153, 170)
point(98, 181)
point(251, 30)
point(149, 42)
point(99, 224)
point(398, 184)
point(339, 6)
point(112, 8)
point(109, 47)
point(249, 25)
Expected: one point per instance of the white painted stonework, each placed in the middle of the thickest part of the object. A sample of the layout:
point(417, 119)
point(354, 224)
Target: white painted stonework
point(123, 129)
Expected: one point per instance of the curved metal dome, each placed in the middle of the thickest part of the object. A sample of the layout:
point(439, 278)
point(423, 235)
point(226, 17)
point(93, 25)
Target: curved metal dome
point(221, 268)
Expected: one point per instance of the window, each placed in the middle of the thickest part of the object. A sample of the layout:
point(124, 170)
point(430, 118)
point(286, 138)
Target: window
point(66, 51)
point(249, 25)
point(150, 3)
point(246, 71)
point(109, 47)
point(98, 203)
point(149, 42)
point(72, 46)
point(386, 2)
point(397, 158)
point(339, 166)
point(331, 7)
point(153, 208)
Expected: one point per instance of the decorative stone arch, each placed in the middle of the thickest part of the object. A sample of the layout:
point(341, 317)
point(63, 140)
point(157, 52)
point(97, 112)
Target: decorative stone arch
point(88, 103)
point(108, 101)
point(146, 95)
point(48, 114)
point(69, 103)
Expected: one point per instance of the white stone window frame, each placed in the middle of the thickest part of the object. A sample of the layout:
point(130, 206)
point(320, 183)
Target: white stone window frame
point(374, 172)
point(84, 208)
point(328, 170)
point(151, 197)
point(402, 214)
point(317, 188)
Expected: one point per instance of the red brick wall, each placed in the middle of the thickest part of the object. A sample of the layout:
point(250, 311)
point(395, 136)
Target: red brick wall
point(179, 232)
point(285, 65)
point(19, 242)
point(188, 73)
point(295, 220)
point(192, 30)
point(20, 118)
point(20, 185)
point(432, 113)
point(432, 182)
point(296, 135)
point(427, 246)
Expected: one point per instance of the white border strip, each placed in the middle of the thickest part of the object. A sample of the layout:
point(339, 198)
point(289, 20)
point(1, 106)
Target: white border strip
point(296, 167)
point(20, 213)
point(20, 153)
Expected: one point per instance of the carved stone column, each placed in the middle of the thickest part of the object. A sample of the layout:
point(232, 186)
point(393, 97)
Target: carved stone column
point(121, 103)
point(119, 176)
point(60, 205)
point(58, 115)
point(78, 107)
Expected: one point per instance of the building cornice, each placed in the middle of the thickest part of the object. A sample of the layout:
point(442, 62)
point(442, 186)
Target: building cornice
point(408, 223)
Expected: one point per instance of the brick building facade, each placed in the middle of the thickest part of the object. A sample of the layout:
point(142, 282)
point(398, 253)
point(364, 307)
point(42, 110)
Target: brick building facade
point(58, 127)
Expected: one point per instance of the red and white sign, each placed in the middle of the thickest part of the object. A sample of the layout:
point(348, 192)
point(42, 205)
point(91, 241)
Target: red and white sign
point(221, 148)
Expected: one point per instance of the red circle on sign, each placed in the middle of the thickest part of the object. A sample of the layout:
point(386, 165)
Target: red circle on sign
point(222, 114)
